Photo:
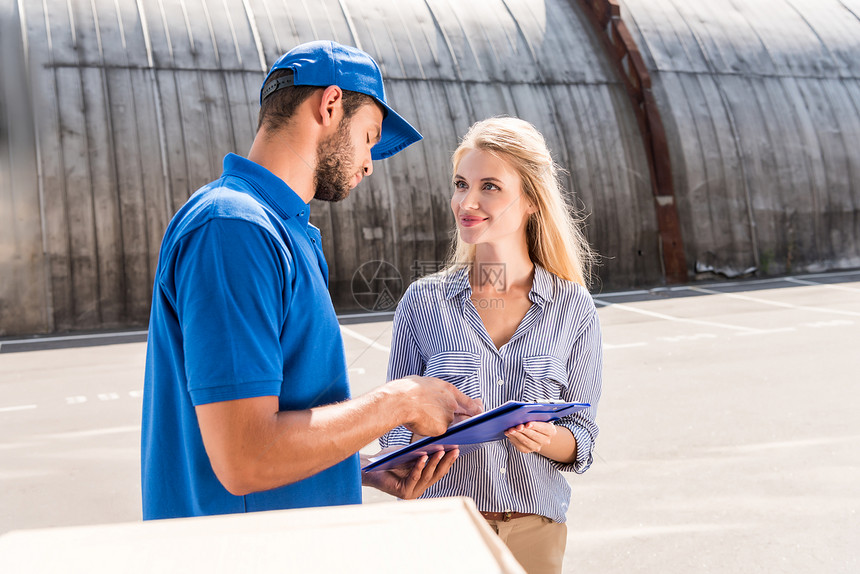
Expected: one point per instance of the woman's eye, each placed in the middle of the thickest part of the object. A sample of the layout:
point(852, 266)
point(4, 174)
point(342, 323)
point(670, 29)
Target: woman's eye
point(491, 186)
point(459, 184)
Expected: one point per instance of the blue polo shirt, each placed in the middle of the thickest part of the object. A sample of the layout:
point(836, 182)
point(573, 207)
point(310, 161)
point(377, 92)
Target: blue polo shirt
point(240, 309)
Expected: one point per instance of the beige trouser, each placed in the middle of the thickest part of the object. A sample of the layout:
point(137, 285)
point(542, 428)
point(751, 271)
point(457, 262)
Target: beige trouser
point(535, 541)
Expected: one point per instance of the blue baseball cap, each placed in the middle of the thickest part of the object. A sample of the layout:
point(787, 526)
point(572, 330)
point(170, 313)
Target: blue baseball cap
point(326, 63)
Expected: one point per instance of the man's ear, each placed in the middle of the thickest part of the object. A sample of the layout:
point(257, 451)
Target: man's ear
point(330, 103)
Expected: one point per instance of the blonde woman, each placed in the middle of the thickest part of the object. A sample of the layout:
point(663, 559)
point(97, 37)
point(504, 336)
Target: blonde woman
point(510, 318)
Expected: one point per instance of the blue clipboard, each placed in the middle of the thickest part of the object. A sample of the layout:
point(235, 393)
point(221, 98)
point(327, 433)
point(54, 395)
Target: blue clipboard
point(485, 427)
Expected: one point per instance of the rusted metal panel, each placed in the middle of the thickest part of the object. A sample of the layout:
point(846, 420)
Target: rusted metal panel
point(840, 223)
point(659, 33)
point(108, 232)
point(130, 192)
point(399, 44)
point(829, 211)
point(46, 34)
point(723, 185)
point(606, 17)
point(776, 81)
point(23, 279)
point(412, 187)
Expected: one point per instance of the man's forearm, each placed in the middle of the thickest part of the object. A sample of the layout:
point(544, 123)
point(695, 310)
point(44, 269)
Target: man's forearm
point(254, 447)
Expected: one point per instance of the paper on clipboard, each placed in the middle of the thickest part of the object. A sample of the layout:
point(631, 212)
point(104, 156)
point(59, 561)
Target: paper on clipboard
point(485, 427)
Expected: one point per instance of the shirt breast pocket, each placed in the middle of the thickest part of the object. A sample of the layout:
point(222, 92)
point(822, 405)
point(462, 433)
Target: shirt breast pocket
point(460, 368)
point(546, 378)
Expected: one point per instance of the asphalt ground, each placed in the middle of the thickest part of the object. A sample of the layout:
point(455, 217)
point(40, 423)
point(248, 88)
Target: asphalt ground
point(730, 436)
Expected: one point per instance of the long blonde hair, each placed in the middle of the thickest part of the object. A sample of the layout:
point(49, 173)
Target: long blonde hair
point(554, 232)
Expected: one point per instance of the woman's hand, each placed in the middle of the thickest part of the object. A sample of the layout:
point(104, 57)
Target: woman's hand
point(531, 437)
point(410, 482)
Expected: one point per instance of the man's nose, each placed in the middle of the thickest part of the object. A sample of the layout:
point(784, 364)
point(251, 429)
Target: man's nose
point(368, 167)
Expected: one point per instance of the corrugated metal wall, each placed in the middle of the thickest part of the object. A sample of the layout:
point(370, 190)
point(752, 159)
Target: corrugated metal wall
point(761, 102)
point(134, 104)
point(22, 277)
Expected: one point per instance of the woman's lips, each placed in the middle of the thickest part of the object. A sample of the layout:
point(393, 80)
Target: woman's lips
point(471, 221)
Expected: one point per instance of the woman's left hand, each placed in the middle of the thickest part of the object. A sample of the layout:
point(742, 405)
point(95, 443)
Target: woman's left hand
point(531, 437)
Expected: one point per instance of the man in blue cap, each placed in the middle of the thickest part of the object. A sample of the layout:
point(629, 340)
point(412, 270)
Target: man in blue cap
point(246, 397)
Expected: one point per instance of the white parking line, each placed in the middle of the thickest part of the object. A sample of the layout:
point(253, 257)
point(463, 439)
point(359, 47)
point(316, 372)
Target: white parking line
point(774, 303)
point(17, 408)
point(75, 337)
point(833, 323)
point(363, 339)
point(624, 307)
point(817, 284)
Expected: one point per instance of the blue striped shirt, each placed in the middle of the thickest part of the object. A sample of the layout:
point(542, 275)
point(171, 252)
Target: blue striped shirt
point(555, 353)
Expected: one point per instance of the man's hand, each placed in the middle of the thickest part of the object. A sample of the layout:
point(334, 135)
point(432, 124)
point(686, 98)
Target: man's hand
point(432, 404)
point(254, 446)
point(531, 437)
point(410, 482)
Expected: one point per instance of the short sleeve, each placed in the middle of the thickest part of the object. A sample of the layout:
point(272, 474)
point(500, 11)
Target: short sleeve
point(231, 288)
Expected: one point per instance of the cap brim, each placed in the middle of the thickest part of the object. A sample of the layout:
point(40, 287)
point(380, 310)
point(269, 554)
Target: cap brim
point(397, 134)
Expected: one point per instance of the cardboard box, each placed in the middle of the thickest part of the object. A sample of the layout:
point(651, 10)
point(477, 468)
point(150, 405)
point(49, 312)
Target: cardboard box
point(440, 535)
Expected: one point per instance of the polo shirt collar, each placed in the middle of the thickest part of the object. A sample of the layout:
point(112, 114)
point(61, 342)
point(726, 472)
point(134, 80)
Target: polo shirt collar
point(457, 281)
point(272, 188)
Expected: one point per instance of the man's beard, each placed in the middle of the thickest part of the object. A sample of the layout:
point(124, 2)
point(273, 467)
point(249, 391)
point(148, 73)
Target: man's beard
point(332, 175)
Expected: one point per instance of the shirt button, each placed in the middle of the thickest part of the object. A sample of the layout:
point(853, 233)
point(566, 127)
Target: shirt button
point(500, 382)
point(502, 470)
